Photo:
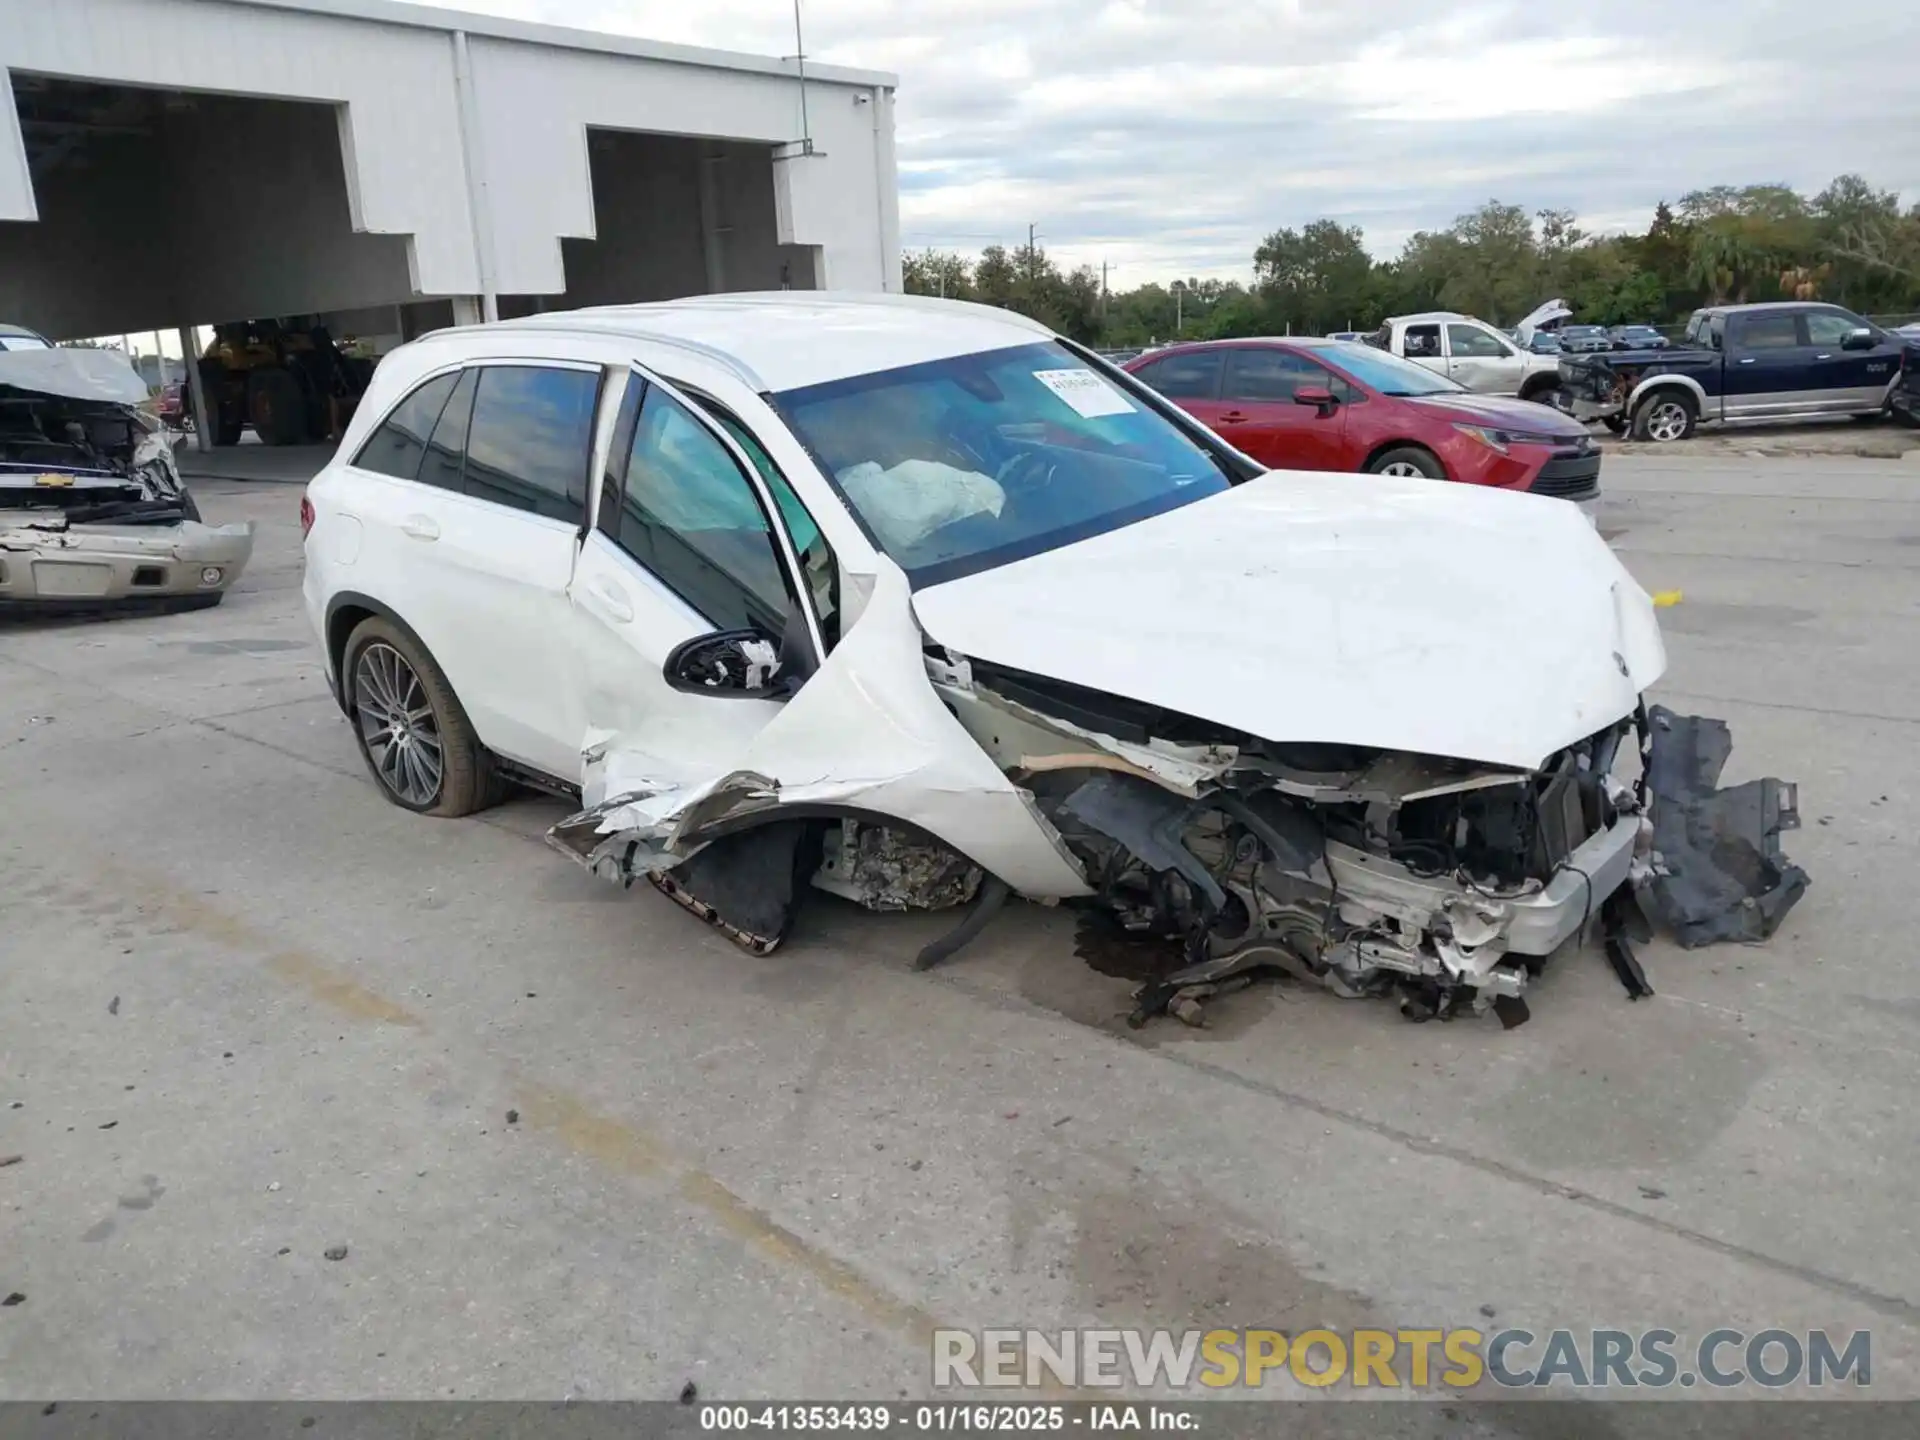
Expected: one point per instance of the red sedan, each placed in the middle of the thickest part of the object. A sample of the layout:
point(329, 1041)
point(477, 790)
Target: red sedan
point(1337, 405)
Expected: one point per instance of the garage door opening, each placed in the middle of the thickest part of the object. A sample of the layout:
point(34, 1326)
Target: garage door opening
point(677, 215)
point(163, 206)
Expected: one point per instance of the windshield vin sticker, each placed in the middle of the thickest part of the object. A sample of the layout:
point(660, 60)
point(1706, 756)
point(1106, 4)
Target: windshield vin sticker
point(1086, 392)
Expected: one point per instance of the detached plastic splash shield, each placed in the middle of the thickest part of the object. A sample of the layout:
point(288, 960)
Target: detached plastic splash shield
point(1721, 876)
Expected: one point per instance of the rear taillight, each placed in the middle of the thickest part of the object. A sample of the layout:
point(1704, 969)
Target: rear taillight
point(306, 517)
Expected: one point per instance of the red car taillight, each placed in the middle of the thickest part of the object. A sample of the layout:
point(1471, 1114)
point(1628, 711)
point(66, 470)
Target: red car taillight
point(306, 517)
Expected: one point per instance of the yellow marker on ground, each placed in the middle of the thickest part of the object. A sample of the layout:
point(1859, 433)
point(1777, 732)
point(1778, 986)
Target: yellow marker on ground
point(1663, 598)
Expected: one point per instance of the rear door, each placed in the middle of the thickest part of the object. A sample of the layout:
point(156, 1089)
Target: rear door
point(1483, 362)
point(1265, 421)
point(1769, 365)
point(1421, 344)
point(1851, 381)
point(472, 494)
point(690, 535)
point(1191, 379)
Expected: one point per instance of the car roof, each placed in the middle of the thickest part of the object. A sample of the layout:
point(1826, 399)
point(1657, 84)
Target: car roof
point(1760, 305)
point(788, 339)
point(1429, 317)
point(1309, 342)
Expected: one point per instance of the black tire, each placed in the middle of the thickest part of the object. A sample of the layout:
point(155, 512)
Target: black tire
point(1543, 395)
point(1616, 423)
point(1665, 415)
point(276, 407)
point(1869, 417)
point(467, 779)
point(227, 427)
point(1423, 462)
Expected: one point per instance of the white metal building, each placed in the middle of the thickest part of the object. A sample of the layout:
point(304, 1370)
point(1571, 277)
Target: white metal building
point(175, 162)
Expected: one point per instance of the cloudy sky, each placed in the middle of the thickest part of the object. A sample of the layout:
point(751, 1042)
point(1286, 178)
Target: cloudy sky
point(1167, 136)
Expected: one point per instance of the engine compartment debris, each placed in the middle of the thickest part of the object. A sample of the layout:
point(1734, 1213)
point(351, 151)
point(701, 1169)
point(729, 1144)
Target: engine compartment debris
point(92, 508)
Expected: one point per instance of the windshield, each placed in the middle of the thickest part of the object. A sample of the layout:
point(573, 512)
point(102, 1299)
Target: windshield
point(1388, 374)
point(963, 464)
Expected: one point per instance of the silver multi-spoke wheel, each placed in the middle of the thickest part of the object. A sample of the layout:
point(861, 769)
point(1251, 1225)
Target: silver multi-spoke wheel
point(1403, 467)
point(398, 724)
point(1667, 420)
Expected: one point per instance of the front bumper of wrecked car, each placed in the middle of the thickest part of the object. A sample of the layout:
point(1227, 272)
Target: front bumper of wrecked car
point(1527, 923)
point(103, 565)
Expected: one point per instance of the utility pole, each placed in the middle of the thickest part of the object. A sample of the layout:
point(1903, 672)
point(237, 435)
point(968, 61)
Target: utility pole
point(1103, 292)
point(1033, 259)
point(800, 60)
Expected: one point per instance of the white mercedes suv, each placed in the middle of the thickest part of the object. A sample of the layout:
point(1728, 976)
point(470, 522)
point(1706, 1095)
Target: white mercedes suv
point(916, 602)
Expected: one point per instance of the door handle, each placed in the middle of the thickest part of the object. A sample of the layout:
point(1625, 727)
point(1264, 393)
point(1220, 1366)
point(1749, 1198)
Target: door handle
point(1233, 417)
point(420, 527)
point(612, 599)
point(1827, 356)
point(1746, 359)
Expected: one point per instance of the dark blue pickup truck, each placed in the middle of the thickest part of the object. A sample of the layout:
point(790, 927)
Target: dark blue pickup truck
point(1743, 362)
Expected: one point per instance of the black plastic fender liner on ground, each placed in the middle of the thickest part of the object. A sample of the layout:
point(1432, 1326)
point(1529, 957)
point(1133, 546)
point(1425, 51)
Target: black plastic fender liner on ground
point(1722, 875)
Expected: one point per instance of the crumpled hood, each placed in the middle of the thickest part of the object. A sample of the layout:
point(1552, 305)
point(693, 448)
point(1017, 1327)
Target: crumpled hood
point(1501, 412)
point(106, 376)
point(1396, 613)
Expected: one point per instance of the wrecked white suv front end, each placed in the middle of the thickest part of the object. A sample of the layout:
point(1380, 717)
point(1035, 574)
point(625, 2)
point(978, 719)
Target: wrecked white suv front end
point(1385, 734)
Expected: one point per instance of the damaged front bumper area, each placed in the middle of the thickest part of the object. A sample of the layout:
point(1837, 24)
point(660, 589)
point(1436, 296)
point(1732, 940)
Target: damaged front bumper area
point(93, 513)
point(82, 567)
point(1592, 387)
point(915, 778)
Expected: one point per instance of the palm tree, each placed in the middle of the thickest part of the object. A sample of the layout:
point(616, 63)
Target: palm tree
point(1724, 262)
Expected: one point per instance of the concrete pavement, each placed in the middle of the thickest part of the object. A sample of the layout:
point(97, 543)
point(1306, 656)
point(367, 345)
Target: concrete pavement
point(252, 1013)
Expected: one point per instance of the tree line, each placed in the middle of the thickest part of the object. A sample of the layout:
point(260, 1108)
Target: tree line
point(1849, 243)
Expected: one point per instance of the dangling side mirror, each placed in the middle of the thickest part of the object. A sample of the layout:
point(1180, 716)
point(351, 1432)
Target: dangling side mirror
point(740, 663)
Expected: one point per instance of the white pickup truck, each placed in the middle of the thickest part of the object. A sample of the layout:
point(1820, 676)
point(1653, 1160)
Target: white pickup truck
point(1471, 353)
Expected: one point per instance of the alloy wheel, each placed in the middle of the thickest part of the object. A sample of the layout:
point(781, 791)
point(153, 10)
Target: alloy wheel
point(1403, 467)
point(1668, 420)
point(398, 725)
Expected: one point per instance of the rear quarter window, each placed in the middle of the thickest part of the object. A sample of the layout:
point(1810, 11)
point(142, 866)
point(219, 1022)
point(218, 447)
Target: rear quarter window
point(397, 446)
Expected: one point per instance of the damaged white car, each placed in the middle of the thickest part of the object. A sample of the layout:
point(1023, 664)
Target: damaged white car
point(93, 512)
point(917, 603)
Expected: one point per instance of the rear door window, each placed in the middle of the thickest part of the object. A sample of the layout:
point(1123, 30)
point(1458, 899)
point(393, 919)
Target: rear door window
point(1194, 376)
point(397, 446)
point(1770, 332)
point(530, 441)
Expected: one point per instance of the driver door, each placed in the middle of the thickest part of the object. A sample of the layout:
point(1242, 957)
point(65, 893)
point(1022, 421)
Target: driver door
point(687, 538)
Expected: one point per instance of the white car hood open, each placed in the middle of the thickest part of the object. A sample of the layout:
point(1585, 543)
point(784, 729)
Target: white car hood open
point(1400, 614)
point(1543, 315)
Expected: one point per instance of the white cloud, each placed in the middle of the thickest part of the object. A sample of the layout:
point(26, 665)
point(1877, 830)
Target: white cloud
point(1169, 136)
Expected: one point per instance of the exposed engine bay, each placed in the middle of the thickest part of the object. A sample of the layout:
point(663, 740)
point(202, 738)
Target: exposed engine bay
point(1441, 883)
point(72, 461)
